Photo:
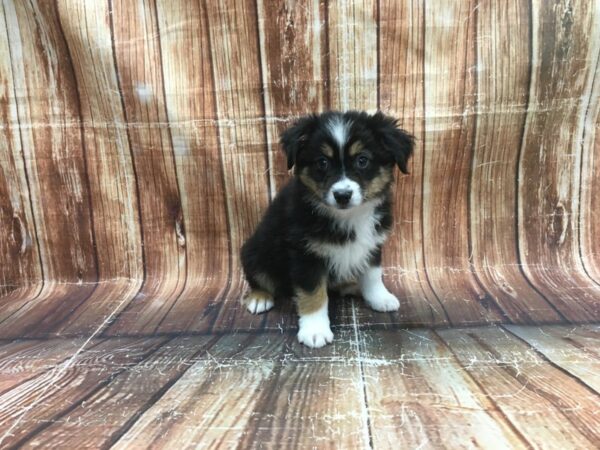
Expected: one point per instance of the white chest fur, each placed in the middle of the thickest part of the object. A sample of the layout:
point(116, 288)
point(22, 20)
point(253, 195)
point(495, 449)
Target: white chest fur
point(347, 261)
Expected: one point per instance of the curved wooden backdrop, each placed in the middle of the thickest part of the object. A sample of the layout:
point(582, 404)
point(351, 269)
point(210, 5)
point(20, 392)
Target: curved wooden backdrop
point(139, 148)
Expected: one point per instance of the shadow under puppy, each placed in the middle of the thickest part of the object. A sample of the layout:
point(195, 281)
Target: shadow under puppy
point(325, 228)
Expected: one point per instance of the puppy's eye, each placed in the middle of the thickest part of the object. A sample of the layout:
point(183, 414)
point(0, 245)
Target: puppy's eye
point(362, 162)
point(322, 164)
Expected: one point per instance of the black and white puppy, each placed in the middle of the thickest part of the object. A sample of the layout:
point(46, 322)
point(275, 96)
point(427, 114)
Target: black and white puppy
point(326, 227)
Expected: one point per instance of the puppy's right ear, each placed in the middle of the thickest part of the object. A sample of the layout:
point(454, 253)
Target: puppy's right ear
point(295, 137)
point(393, 139)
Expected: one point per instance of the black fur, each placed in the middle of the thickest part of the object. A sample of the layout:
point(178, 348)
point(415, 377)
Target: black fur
point(296, 137)
point(378, 128)
point(393, 139)
point(278, 248)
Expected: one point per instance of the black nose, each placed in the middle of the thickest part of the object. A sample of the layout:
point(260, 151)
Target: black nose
point(342, 197)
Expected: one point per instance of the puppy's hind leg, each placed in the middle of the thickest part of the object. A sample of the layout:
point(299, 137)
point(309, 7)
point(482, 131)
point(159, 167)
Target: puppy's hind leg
point(260, 298)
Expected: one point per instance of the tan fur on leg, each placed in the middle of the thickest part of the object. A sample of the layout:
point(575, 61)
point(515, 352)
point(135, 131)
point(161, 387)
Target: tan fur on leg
point(309, 302)
point(313, 323)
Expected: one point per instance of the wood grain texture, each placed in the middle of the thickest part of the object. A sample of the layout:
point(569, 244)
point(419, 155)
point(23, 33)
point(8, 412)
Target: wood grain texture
point(450, 89)
point(23, 360)
point(111, 175)
point(139, 150)
point(352, 38)
point(456, 388)
point(136, 43)
point(191, 112)
point(188, 414)
point(294, 70)
point(502, 72)
point(48, 119)
point(566, 347)
point(235, 56)
point(97, 421)
point(257, 392)
point(18, 242)
point(28, 407)
point(401, 64)
point(418, 396)
point(589, 215)
point(353, 79)
point(551, 156)
point(319, 403)
point(532, 394)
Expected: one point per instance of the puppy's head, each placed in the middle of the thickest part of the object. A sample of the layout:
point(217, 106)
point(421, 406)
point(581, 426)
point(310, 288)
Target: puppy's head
point(347, 158)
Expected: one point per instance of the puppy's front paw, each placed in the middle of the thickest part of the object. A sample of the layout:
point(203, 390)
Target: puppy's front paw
point(258, 302)
point(314, 332)
point(383, 300)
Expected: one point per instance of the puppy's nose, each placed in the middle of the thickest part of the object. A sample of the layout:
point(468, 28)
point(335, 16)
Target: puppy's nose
point(342, 197)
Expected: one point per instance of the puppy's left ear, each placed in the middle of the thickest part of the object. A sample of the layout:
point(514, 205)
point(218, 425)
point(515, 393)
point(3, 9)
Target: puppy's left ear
point(393, 139)
point(294, 139)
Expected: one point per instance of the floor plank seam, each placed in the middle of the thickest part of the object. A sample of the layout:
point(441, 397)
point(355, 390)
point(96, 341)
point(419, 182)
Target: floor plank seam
point(550, 362)
point(486, 394)
point(540, 392)
point(40, 374)
point(376, 407)
point(59, 371)
point(363, 387)
point(155, 397)
point(378, 326)
point(83, 399)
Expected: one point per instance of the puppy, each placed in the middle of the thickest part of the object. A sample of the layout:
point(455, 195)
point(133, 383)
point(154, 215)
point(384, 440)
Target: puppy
point(326, 227)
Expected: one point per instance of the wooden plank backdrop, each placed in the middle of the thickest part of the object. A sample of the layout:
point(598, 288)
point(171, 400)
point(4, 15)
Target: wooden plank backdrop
point(139, 149)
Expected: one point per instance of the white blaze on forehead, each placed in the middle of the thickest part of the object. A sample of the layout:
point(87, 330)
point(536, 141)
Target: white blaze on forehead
point(339, 130)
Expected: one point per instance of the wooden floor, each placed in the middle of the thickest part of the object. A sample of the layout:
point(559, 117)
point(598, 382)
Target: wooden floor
point(488, 387)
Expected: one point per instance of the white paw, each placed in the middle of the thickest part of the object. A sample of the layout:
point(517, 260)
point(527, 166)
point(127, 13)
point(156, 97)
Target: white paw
point(314, 331)
point(382, 300)
point(258, 305)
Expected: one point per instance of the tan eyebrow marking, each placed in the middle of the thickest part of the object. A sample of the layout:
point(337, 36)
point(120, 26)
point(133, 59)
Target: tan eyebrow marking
point(327, 151)
point(308, 181)
point(379, 183)
point(356, 148)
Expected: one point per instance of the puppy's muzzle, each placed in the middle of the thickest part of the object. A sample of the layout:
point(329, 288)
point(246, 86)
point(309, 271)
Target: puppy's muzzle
point(344, 194)
point(342, 197)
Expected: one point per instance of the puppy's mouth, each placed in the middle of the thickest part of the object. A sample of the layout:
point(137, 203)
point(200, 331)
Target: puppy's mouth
point(343, 206)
